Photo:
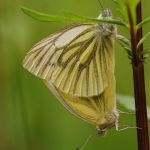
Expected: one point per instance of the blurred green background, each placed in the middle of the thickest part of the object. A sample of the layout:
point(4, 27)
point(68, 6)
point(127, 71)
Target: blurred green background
point(30, 116)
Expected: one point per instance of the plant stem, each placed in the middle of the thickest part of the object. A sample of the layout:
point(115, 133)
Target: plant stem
point(139, 81)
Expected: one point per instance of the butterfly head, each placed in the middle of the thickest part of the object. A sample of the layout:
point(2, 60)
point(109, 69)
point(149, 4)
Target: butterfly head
point(106, 29)
point(111, 120)
point(103, 128)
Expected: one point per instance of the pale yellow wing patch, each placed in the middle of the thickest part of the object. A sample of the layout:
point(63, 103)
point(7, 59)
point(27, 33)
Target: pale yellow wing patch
point(90, 109)
point(77, 60)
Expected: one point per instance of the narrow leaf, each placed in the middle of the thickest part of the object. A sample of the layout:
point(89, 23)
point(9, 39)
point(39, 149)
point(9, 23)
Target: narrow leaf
point(120, 9)
point(146, 50)
point(123, 39)
point(128, 103)
point(145, 53)
point(132, 4)
point(143, 39)
point(43, 17)
point(145, 56)
point(93, 20)
point(129, 52)
point(145, 21)
point(70, 18)
point(125, 44)
point(116, 2)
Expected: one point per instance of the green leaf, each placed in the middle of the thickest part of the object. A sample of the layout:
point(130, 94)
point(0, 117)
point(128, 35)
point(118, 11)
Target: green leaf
point(123, 39)
point(125, 44)
point(82, 146)
point(133, 5)
point(129, 103)
point(70, 18)
point(146, 53)
point(93, 20)
point(146, 50)
point(121, 4)
point(145, 56)
point(129, 52)
point(43, 17)
point(143, 39)
point(145, 21)
point(120, 8)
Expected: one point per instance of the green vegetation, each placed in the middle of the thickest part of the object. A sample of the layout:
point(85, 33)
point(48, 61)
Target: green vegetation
point(31, 118)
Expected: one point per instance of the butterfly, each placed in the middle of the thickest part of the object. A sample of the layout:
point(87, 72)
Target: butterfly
point(77, 64)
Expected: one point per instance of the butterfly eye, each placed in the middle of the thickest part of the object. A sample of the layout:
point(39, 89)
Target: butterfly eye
point(102, 130)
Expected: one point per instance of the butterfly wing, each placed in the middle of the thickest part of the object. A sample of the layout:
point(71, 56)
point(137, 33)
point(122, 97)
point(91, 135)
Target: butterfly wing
point(76, 60)
point(91, 109)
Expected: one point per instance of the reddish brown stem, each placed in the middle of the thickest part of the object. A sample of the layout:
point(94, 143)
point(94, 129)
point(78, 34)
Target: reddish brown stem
point(139, 81)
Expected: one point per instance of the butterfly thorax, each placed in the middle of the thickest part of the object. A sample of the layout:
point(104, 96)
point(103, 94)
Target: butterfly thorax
point(106, 29)
point(111, 120)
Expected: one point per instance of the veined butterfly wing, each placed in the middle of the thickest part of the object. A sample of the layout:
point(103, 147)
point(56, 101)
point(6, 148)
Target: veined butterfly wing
point(98, 110)
point(77, 65)
point(77, 60)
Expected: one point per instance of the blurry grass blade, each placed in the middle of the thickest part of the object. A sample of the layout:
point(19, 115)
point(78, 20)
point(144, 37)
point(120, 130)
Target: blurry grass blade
point(146, 53)
point(127, 49)
point(70, 17)
point(145, 21)
point(143, 39)
point(120, 9)
point(129, 52)
point(147, 50)
point(125, 44)
point(117, 3)
point(85, 142)
point(128, 102)
point(123, 39)
point(122, 6)
point(43, 17)
point(145, 56)
point(132, 2)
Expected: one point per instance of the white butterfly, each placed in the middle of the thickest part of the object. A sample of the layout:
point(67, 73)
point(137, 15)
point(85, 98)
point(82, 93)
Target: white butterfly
point(77, 64)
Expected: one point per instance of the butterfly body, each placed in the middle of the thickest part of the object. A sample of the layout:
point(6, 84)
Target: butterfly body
point(77, 64)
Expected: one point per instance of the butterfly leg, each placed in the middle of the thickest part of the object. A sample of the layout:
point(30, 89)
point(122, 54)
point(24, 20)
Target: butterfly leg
point(128, 127)
point(126, 113)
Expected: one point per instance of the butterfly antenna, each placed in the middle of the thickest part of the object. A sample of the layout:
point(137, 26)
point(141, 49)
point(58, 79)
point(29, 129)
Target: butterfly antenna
point(100, 3)
point(86, 142)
